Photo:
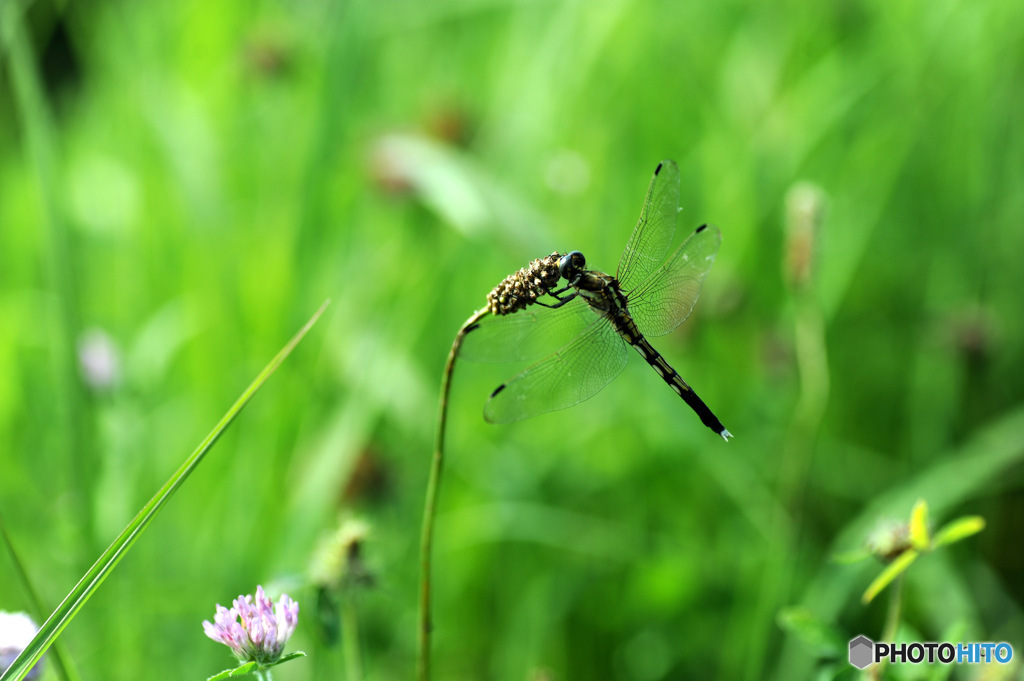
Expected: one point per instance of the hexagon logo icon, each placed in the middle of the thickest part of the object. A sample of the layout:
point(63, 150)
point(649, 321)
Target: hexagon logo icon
point(862, 651)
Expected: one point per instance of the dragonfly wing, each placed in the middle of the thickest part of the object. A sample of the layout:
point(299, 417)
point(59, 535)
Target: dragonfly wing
point(653, 233)
point(663, 302)
point(576, 372)
point(527, 334)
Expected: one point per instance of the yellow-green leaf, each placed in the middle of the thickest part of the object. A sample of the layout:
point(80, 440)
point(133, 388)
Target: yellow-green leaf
point(919, 526)
point(958, 529)
point(891, 572)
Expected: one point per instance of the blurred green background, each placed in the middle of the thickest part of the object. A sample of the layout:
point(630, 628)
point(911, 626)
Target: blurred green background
point(183, 183)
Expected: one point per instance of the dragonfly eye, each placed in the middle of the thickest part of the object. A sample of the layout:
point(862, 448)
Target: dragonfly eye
point(571, 265)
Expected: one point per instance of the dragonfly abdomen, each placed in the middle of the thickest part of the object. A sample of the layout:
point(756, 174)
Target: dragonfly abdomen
point(627, 328)
point(664, 369)
point(676, 382)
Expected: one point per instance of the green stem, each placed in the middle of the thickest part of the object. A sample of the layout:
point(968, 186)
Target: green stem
point(350, 639)
point(430, 507)
point(892, 619)
point(892, 622)
point(40, 136)
point(794, 464)
point(64, 667)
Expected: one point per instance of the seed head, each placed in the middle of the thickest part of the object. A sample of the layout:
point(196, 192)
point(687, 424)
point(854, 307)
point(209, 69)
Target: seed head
point(805, 211)
point(520, 290)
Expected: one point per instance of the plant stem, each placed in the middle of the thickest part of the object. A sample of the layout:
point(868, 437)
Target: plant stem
point(804, 215)
point(430, 507)
point(70, 422)
point(892, 619)
point(61, 660)
point(350, 639)
point(892, 623)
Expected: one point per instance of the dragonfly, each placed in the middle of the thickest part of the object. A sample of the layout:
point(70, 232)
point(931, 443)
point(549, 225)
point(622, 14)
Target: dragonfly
point(580, 333)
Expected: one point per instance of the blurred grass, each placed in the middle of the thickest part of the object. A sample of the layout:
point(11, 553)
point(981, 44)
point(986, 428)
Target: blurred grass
point(219, 169)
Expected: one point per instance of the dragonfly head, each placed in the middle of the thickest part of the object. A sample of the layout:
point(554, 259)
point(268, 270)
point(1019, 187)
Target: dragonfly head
point(571, 266)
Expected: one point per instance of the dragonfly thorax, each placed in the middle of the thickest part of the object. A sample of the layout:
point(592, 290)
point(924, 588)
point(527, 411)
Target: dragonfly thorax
point(572, 266)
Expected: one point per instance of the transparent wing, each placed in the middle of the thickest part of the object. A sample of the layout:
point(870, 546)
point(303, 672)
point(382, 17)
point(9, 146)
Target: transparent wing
point(573, 374)
point(528, 334)
point(653, 233)
point(664, 301)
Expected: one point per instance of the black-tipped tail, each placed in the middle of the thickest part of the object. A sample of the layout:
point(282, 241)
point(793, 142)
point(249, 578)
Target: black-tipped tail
point(707, 417)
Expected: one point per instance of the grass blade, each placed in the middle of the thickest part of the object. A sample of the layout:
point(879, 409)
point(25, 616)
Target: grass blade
point(103, 566)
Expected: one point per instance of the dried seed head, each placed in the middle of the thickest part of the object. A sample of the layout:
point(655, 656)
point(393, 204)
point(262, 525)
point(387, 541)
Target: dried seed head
point(889, 539)
point(522, 289)
point(805, 210)
point(339, 562)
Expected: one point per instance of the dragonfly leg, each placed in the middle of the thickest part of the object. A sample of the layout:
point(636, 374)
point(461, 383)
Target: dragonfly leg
point(562, 300)
point(559, 292)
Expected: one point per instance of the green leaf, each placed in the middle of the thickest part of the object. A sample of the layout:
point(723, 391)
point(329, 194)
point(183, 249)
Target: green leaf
point(891, 572)
point(241, 670)
point(919, 526)
point(250, 667)
point(286, 658)
point(958, 529)
point(103, 566)
point(821, 638)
